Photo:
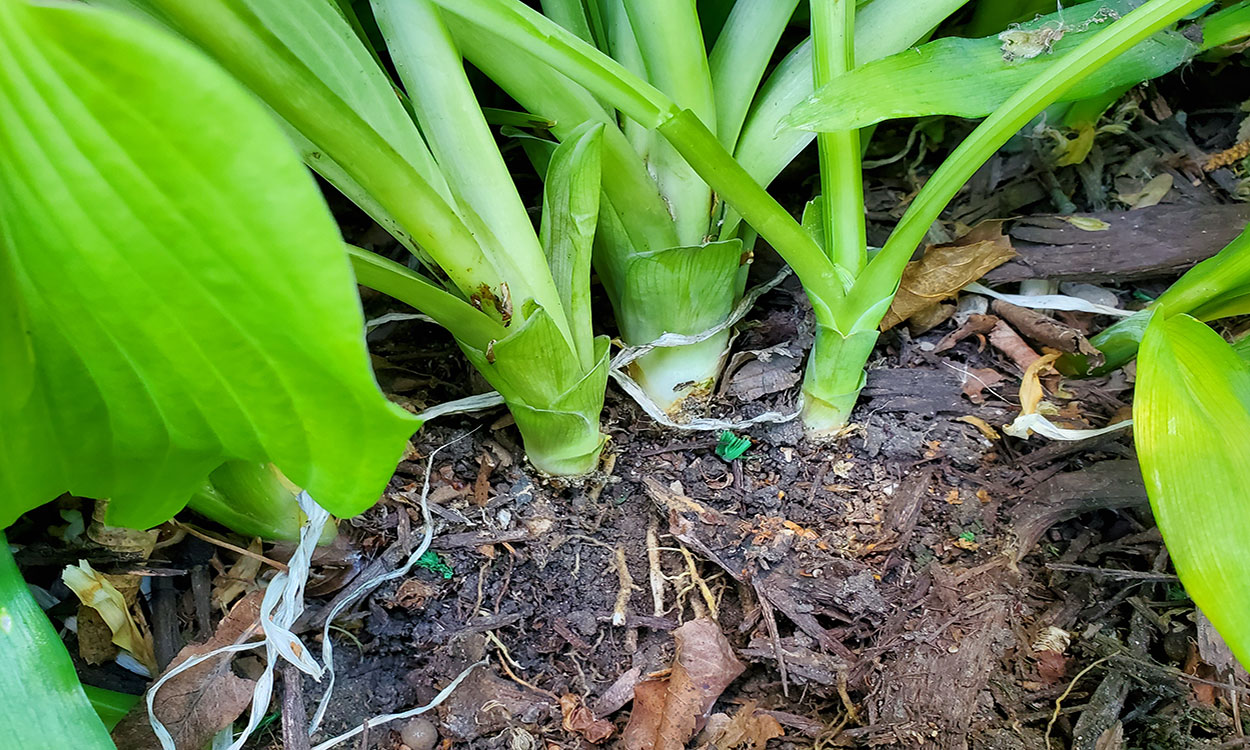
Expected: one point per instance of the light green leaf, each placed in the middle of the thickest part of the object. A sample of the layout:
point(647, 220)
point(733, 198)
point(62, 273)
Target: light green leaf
point(570, 212)
point(555, 402)
point(187, 299)
point(1191, 416)
point(44, 704)
point(972, 77)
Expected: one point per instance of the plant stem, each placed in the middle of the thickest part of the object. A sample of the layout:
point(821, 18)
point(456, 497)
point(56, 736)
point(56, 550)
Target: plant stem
point(834, 378)
point(880, 277)
point(841, 176)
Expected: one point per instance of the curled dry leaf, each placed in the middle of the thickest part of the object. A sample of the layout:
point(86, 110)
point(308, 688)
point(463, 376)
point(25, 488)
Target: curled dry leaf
point(973, 326)
point(749, 729)
point(1031, 391)
point(579, 720)
point(1048, 331)
point(945, 269)
point(95, 590)
point(668, 711)
point(1005, 339)
point(197, 704)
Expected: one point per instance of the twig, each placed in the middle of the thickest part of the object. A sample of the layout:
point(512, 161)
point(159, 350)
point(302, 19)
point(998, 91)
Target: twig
point(1059, 701)
point(698, 581)
point(657, 574)
point(626, 587)
point(227, 545)
point(294, 714)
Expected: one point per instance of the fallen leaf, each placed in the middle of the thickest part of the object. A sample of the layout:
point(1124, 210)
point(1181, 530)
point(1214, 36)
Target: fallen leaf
point(197, 704)
point(1087, 223)
point(1048, 331)
point(668, 711)
point(945, 269)
point(975, 324)
point(1031, 392)
point(239, 578)
point(749, 728)
point(1150, 194)
point(977, 379)
point(96, 591)
point(984, 427)
point(579, 720)
point(1005, 339)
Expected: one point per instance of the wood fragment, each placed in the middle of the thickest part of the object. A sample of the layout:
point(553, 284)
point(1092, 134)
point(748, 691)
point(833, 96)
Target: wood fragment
point(1159, 241)
point(294, 713)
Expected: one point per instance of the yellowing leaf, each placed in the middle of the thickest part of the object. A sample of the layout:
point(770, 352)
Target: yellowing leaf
point(1191, 414)
point(1087, 223)
point(945, 269)
point(95, 591)
point(1150, 194)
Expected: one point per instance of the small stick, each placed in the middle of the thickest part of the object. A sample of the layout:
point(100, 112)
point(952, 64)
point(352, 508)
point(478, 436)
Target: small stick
point(627, 586)
point(698, 580)
point(227, 545)
point(294, 714)
point(657, 575)
point(1059, 701)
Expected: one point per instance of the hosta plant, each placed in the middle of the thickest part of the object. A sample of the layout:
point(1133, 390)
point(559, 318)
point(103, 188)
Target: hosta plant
point(849, 291)
point(427, 168)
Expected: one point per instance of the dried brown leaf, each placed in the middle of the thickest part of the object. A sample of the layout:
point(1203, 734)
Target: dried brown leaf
point(1005, 339)
point(975, 324)
point(977, 379)
point(945, 269)
point(667, 712)
point(196, 704)
point(1048, 331)
point(749, 728)
point(579, 720)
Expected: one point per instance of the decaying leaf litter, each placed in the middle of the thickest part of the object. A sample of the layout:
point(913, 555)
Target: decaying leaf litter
point(921, 582)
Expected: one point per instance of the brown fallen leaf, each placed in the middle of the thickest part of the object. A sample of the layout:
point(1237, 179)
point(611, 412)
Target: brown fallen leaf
point(239, 578)
point(974, 325)
point(120, 612)
point(579, 720)
point(1005, 339)
point(749, 728)
point(197, 704)
point(1048, 331)
point(668, 711)
point(945, 269)
point(1031, 391)
point(977, 379)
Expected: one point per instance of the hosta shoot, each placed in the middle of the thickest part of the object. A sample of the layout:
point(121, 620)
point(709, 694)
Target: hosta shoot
point(516, 300)
point(672, 256)
point(849, 292)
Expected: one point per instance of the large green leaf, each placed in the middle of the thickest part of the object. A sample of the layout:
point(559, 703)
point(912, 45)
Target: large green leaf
point(179, 293)
point(44, 704)
point(972, 77)
point(1191, 417)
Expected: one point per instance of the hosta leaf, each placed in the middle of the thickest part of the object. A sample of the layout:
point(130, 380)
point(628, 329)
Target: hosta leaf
point(1191, 417)
point(182, 295)
point(972, 77)
point(44, 704)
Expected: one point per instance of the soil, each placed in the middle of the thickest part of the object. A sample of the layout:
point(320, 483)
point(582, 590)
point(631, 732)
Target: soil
point(912, 583)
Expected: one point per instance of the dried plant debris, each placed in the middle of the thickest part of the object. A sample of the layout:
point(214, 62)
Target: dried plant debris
point(668, 711)
point(197, 704)
point(945, 269)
